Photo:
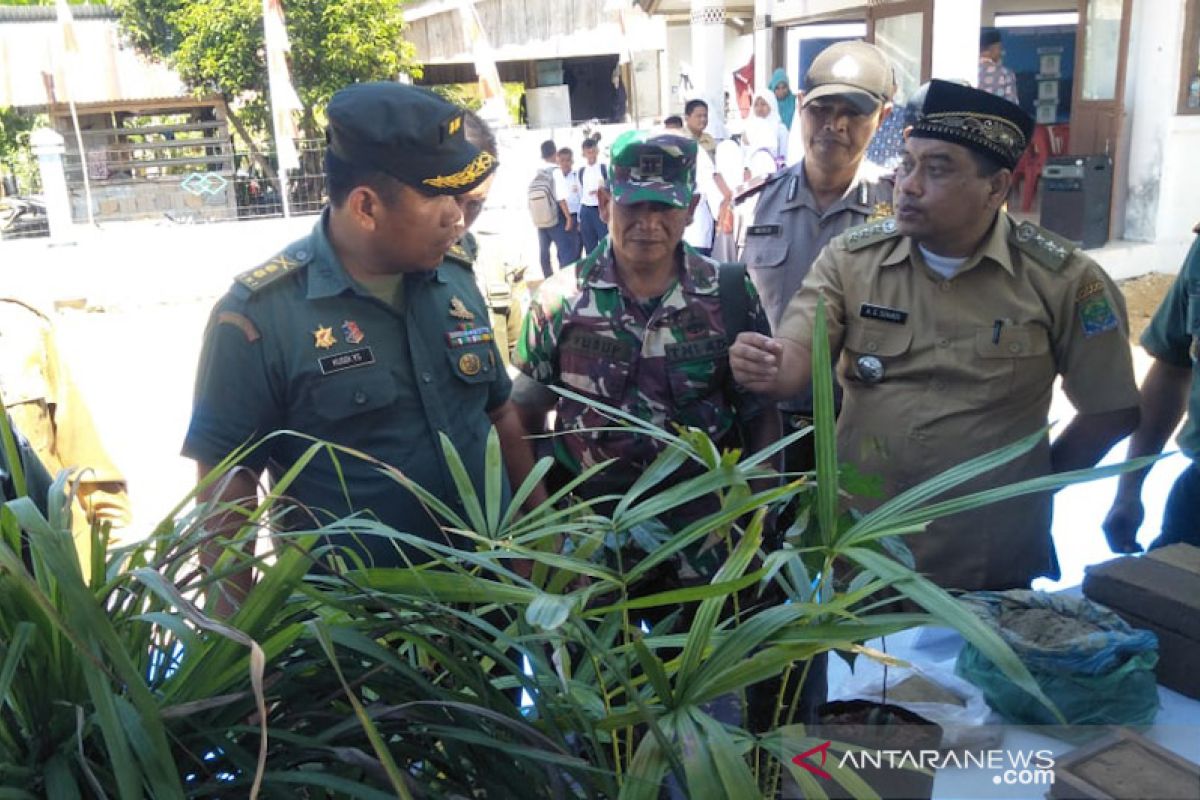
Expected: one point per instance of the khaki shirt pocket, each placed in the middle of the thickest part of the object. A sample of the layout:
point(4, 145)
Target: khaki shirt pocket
point(889, 343)
point(1016, 361)
point(354, 392)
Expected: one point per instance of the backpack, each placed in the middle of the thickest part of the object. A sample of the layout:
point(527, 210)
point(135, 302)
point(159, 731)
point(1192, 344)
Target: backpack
point(543, 208)
point(604, 174)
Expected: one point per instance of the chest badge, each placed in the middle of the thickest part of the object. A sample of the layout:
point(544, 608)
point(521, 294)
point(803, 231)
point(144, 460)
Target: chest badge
point(324, 338)
point(352, 332)
point(460, 311)
point(470, 364)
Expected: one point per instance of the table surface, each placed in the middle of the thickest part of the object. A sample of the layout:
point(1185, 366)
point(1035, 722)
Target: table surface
point(1177, 726)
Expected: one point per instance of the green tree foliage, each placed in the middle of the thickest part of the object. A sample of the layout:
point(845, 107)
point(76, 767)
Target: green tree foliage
point(217, 47)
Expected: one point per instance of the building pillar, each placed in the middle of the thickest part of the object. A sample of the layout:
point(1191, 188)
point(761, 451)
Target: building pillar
point(708, 60)
point(764, 47)
point(956, 25)
point(47, 145)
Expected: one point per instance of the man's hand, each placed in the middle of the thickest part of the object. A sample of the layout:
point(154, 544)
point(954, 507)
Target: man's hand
point(755, 360)
point(570, 223)
point(1122, 523)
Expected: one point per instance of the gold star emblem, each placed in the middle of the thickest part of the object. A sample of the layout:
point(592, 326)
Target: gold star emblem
point(324, 338)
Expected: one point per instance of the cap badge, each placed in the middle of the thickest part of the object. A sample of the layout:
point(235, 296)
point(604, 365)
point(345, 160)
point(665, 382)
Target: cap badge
point(352, 332)
point(650, 166)
point(466, 176)
point(460, 311)
point(470, 364)
point(846, 68)
point(324, 337)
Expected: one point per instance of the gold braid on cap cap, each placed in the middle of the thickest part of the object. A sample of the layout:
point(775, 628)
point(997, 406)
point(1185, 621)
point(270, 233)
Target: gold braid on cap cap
point(466, 176)
point(995, 133)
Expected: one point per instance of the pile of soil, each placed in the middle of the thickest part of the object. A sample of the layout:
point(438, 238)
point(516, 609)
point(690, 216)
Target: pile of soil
point(1143, 295)
point(915, 689)
point(1043, 627)
point(872, 725)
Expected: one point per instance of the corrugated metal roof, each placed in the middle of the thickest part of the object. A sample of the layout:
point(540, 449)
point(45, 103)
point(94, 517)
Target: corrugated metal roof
point(104, 70)
point(49, 13)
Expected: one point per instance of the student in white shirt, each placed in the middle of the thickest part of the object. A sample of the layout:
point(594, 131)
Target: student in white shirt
point(568, 192)
point(592, 176)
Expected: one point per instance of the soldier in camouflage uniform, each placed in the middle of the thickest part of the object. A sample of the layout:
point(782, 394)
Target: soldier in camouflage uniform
point(638, 325)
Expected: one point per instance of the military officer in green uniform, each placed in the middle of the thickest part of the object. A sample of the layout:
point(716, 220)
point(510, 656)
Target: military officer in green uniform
point(365, 333)
point(1171, 390)
point(952, 322)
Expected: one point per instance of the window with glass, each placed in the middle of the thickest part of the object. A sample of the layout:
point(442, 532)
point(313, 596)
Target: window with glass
point(1189, 78)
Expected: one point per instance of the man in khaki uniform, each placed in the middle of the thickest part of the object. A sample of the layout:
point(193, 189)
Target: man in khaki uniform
point(950, 323)
point(46, 407)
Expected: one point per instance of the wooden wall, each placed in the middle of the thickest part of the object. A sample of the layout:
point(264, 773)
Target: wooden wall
point(507, 22)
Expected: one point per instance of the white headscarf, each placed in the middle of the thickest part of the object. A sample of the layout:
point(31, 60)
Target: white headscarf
point(765, 133)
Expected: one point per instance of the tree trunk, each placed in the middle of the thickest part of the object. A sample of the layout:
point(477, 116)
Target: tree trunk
point(255, 153)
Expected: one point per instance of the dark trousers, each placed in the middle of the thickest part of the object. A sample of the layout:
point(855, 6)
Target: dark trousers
point(566, 245)
point(1181, 518)
point(591, 228)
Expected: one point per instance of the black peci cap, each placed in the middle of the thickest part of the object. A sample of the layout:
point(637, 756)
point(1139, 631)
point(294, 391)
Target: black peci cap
point(409, 133)
point(973, 118)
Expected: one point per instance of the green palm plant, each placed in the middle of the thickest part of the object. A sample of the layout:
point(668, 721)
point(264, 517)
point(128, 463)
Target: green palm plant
point(407, 682)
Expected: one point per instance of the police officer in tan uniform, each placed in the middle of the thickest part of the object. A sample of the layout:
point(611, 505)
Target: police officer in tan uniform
point(45, 405)
point(800, 209)
point(950, 323)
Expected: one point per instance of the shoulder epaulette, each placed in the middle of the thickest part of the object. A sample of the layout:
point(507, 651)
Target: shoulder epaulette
point(1046, 248)
point(275, 268)
point(756, 185)
point(871, 233)
point(464, 251)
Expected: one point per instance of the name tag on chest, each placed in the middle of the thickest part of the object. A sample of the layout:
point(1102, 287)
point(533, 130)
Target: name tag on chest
point(596, 346)
point(348, 360)
point(883, 313)
point(700, 349)
point(763, 230)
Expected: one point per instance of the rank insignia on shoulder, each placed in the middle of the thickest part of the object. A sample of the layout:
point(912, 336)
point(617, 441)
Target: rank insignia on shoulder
point(880, 211)
point(323, 337)
point(268, 273)
point(460, 311)
point(871, 233)
point(459, 253)
point(1046, 248)
point(352, 333)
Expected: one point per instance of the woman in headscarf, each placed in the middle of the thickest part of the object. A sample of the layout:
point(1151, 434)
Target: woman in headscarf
point(764, 131)
point(784, 97)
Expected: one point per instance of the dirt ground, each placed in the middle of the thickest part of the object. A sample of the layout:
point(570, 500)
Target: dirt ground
point(1142, 297)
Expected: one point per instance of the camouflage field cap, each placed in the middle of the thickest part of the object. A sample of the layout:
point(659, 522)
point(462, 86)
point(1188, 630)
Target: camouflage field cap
point(652, 166)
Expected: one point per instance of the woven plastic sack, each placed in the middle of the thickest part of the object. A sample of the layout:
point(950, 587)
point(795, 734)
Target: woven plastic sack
point(1102, 676)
